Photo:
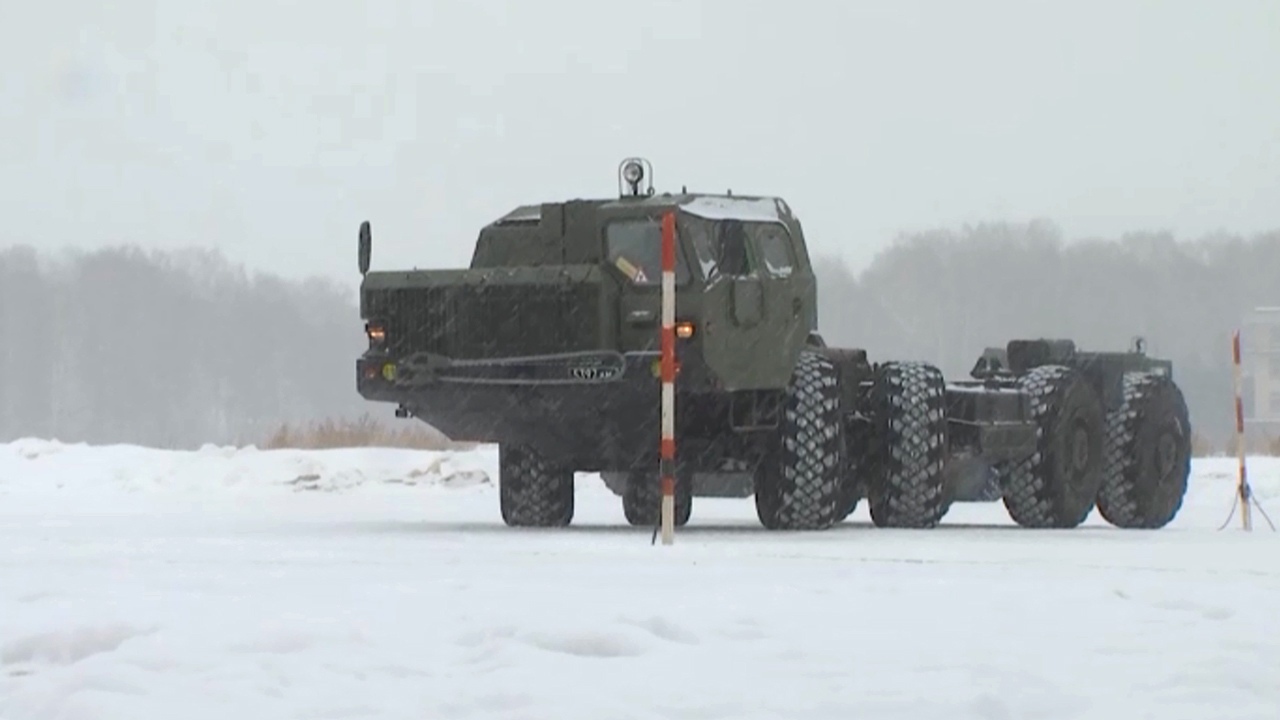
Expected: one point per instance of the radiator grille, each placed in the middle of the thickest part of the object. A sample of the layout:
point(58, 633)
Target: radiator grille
point(487, 321)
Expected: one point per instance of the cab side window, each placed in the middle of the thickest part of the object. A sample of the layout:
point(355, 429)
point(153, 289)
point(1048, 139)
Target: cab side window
point(722, 249)
point(774, 247)
point(701, 235)
point(735, 248)
point(733, 259)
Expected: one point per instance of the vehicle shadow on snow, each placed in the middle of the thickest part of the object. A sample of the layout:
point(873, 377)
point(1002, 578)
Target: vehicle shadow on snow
point(693, 529)
point(497, 528)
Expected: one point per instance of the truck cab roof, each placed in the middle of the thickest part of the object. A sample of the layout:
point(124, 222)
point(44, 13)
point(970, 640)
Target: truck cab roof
point(709, 206)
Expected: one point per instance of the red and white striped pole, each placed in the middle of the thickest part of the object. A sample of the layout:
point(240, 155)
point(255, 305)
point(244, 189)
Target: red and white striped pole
point(1242, 488)
point(667, 465)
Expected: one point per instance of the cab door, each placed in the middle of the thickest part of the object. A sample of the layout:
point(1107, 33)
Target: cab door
point(742, 314)
point(787, 296)
point(633, 251)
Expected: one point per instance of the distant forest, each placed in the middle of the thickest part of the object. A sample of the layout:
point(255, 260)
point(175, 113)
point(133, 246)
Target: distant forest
point(180, 349)
point(945, 295)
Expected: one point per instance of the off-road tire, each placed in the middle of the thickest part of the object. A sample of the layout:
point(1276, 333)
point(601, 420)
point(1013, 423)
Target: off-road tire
point(642, 500)
point(906, 486)
point(1057, 485)
point(532, 492)
point(858, 434)
point(797, 485)
point(852, 483)
point(1148, 454)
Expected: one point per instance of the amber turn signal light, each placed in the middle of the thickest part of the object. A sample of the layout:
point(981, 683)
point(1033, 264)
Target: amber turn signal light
point(684, 330)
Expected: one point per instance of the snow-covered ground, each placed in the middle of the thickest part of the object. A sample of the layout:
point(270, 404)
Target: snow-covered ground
point(381, 584)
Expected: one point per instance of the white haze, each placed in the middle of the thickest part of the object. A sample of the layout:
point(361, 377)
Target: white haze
point(268, 130)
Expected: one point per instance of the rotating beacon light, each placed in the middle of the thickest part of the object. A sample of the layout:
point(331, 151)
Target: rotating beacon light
point(633, 173)
point(635, 178)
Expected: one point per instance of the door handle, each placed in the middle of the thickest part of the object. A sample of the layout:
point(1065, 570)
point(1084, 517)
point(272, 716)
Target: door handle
point(797, 305)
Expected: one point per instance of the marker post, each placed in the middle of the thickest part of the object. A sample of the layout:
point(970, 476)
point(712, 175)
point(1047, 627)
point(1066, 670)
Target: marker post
point(1243, 493)
point(667, 464)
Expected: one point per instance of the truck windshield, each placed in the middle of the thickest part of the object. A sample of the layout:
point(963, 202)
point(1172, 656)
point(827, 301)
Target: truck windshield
point(634, 246)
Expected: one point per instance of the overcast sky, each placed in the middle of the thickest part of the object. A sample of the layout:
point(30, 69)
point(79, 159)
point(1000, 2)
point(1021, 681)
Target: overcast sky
point(270, 129)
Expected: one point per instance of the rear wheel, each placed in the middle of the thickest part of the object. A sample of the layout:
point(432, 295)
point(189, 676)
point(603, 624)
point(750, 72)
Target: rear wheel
point(642, 499)
point(1148, 454)
point(907, 486)
point(1056, 486)
point(858, 434)
point(533, 492)
point(797, 484)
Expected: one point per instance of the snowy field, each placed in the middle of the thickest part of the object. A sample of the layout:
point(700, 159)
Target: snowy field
point(222, 584)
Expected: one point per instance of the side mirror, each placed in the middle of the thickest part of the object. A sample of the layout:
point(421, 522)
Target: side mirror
point(366, 246)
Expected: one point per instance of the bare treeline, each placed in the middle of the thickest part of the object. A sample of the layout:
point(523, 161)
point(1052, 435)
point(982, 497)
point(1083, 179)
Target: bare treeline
point(179, 349)
point(945, 295)
point(171, 350)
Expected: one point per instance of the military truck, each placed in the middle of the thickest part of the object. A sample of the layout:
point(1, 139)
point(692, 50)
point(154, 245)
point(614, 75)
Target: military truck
point(548, 346)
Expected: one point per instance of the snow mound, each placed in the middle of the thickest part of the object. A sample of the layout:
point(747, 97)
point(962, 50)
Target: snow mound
point(66, 646)
point(39, 465)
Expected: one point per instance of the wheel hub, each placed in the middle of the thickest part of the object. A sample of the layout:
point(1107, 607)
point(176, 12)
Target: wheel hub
point(1079, 448)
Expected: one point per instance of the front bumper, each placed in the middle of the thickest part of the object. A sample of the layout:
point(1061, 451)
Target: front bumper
point(594, 408)
point(424, 370)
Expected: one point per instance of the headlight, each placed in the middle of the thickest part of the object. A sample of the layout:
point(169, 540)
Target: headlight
point(376, 333)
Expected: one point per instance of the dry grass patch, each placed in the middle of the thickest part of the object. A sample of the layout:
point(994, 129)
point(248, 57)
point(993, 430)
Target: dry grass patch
point(1201, 446)
point(1254, 445)
point(1259, 445)
point(362, 432)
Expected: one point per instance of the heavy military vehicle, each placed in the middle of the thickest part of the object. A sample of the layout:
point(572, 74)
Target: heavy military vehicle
point(548, 346)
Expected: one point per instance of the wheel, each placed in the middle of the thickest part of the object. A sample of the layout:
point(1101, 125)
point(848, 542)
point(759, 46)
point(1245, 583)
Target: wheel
point(857, 463)
point(797, 484)
point(532, 492)
point(851, 492)
point(907, 487)
point(615, 481)
point(1056, 486)
point(848, 504)
point(642, 499)
point(1148, 454)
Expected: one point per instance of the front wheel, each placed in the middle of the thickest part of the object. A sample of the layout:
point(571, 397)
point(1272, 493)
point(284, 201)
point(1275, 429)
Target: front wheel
point(798, 482)
point(532, 491)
